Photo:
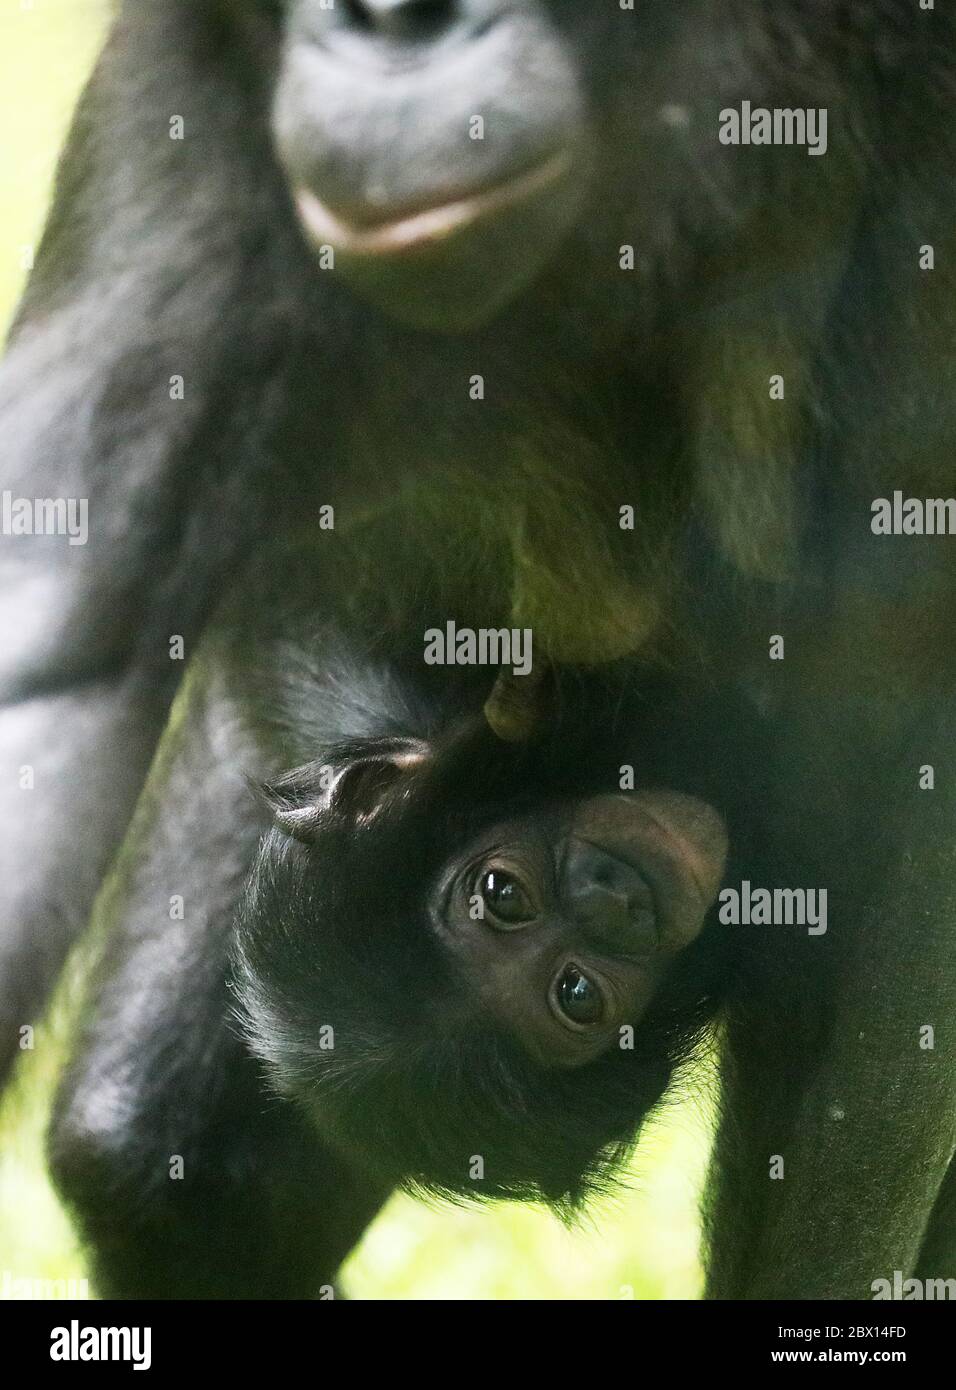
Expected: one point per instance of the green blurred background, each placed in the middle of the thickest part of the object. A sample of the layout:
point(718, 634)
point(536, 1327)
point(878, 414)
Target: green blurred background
point(643, 1244)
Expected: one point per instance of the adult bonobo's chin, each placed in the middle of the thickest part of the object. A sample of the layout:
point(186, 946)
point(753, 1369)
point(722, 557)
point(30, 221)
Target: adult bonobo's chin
point(438, 147)
point(446, 971)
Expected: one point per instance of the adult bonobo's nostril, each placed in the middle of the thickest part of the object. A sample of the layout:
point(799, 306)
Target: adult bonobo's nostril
point(610, 899)
point(406, 19)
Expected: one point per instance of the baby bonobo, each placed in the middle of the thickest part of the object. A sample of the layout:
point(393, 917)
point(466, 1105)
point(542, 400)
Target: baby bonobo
point(470, 985)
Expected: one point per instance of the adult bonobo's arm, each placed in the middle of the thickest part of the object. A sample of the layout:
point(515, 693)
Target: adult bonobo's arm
point(257, 1207)
point(828, 1061)
point(840, 1046)
point(134, 333)
point(938, 1256)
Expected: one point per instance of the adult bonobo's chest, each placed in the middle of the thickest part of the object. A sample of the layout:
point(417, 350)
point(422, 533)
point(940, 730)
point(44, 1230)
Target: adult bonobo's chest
point(454, 508)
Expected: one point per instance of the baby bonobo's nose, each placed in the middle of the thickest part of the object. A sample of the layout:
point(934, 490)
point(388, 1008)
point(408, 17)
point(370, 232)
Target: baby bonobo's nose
point(610, 899)
point(656, 856)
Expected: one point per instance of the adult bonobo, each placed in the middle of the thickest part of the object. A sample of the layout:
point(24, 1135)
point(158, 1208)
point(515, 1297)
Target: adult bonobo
point(383, 339)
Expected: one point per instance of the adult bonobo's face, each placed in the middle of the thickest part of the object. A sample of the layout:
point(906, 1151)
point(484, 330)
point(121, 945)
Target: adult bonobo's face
point(440, 970)
point(439, 146)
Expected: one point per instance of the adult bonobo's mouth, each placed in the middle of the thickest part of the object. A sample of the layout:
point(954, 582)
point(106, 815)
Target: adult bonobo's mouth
point(395, 231)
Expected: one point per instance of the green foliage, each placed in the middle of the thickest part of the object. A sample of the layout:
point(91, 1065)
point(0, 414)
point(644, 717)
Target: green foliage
point(642, 1244)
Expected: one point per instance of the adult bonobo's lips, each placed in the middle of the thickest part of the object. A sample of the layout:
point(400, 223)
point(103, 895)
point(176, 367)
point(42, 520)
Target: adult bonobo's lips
point(393, 232)
point(448, 261)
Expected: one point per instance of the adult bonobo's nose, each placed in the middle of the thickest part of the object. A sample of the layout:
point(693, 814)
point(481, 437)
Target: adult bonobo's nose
point(414, 20)
point(610, 899)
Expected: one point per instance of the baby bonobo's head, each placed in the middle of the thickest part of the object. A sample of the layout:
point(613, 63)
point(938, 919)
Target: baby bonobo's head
point(473, 990)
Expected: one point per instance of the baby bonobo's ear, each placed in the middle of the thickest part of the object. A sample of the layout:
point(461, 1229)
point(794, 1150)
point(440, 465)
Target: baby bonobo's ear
point(352, 783)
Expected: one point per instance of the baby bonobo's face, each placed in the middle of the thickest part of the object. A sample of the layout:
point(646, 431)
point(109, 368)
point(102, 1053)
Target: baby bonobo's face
point(562, 926)
point(437, 971)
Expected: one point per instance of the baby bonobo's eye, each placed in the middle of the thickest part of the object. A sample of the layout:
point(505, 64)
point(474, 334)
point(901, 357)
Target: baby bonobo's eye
point(577, 999)
point(507, 901)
